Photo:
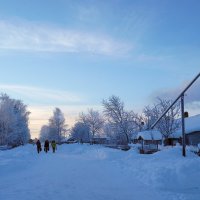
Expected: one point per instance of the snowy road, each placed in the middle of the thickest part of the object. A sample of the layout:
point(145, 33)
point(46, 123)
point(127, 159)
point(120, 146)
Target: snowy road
point(81, 172)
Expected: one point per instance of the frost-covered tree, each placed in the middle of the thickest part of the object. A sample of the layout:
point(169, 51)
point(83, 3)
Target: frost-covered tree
point(56, 129)
point(120, 121)
point(81, 132)
point(94, 121)
point(169, 122)
point(139, 121)
point(14, 119)
point(110, 132)
point(44, 133)
point(57, 124)
point(135, 122)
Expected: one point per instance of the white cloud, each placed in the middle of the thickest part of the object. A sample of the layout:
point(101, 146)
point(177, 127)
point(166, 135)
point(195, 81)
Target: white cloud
point(192, 96)
point(152, 58)
point(38, 37)
point(43, 95)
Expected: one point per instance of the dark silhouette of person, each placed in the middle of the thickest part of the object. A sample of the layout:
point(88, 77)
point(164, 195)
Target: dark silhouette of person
point(46, 146)
point(53, 145)
point(39, 147)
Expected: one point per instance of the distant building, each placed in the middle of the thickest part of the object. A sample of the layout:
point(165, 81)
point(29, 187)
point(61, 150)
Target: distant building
point(99, 140)
point(192, 130)
point(173, 139)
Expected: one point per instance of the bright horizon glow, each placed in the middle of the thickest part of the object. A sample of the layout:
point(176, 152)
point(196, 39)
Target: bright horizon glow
point(73, 54)
point(41, 114)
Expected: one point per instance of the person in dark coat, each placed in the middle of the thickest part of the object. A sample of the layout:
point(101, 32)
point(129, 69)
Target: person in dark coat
point(46, 146)
point(39, 147)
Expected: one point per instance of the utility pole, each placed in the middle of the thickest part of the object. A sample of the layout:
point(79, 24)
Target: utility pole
point(181, 96)
point(183, 125)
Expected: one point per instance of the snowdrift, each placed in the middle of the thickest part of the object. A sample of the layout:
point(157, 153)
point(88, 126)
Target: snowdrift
point(96, 172)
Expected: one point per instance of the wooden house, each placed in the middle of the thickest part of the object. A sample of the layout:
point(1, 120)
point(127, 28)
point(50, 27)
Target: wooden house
point(192, 131)
point(173, 139)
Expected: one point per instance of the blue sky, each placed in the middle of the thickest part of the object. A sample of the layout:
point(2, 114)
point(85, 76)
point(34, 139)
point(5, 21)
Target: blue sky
point(73, 54)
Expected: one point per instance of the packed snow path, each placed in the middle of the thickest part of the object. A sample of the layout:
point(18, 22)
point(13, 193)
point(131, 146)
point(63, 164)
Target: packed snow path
point(84, 172)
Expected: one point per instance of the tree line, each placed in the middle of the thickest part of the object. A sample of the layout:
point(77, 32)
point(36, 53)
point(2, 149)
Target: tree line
point(114, 122)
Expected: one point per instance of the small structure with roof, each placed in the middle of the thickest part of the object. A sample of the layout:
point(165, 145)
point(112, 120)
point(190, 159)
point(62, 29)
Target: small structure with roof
point(149, 140)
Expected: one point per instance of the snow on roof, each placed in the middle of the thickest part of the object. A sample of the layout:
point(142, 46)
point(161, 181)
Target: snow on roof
point(192, 124)
point(176, 134)
point(150, 135)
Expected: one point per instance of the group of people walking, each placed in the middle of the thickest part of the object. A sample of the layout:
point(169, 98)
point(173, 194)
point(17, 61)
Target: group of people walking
point(46, 146)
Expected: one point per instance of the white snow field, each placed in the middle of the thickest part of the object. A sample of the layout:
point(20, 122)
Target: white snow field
point(90, 172)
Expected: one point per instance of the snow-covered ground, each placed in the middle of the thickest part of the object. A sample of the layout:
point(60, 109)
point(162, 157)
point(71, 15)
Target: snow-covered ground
point(84, 172)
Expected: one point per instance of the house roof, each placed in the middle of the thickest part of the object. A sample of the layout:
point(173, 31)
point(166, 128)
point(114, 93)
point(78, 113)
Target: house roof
point(192, 124)
point(150, 135)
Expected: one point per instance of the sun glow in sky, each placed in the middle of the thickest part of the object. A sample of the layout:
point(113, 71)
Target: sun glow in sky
point(72, 54)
